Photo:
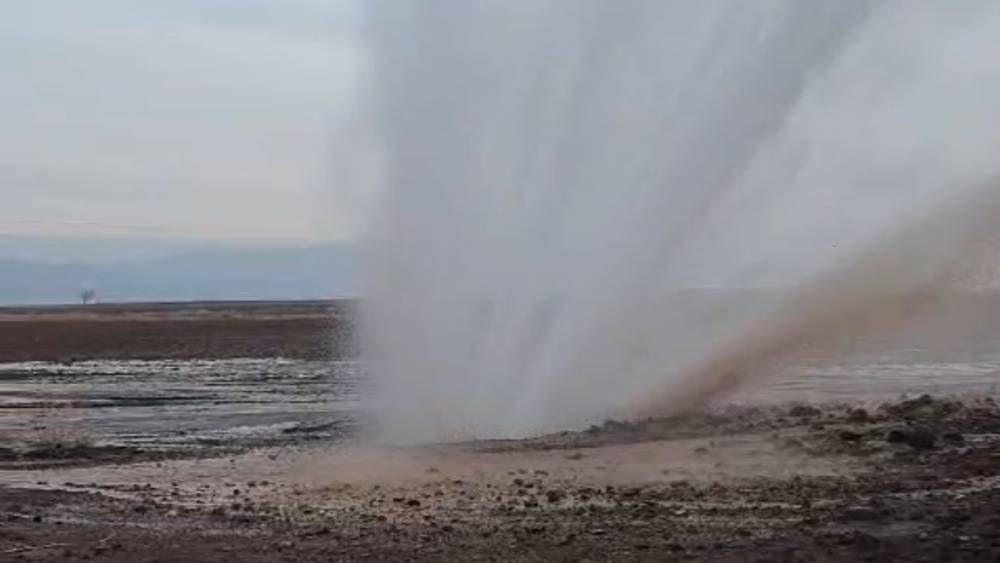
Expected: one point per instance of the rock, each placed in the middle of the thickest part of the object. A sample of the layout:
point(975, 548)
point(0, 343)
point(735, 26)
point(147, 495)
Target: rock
point(896, 436)
point(413, 503)
point(618, 426)
point(555, 495)
point(916, 438)
point(566, 540)
point(631, 492)
point(793, 444)
point(913, 404)
point(921, 439)
point(575, 457)
point(848, 436)
point(803, 411)
point(953, 437)
point(860, 513)
point(923, 407)
point(859, 416)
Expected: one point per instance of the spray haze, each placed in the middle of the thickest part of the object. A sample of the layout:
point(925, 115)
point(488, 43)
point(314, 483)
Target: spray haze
point(583, 199)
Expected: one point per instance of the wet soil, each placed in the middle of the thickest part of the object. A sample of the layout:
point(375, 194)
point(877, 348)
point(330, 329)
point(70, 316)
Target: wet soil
point(128, 411)
point(913, 480)
point(156, 478)
point(306, 330)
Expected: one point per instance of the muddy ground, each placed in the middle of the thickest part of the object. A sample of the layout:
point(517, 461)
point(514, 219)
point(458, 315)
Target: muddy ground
point(913, 480)
point(152, 331)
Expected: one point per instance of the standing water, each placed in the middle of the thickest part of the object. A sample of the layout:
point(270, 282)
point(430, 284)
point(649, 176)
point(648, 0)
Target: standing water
point(596, 208)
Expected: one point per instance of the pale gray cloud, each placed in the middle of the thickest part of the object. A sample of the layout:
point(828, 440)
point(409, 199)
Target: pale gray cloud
point(196, 118)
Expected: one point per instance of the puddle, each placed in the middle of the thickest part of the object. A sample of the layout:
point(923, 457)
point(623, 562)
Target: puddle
point(176, 402)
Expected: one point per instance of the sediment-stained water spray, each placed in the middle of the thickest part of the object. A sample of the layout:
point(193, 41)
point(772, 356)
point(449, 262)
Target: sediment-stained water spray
point(594, 207)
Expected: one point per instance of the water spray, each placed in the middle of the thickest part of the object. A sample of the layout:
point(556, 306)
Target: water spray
point(592, 208)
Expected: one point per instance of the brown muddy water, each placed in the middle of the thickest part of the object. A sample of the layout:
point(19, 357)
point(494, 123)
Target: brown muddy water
point(270, 402)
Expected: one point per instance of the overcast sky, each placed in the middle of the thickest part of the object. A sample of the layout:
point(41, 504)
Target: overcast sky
point(206, 119)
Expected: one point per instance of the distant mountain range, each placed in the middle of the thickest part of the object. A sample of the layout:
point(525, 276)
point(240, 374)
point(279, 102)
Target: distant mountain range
point(38, 271)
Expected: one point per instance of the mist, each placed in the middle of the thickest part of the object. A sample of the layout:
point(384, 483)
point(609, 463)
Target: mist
point(592, 208)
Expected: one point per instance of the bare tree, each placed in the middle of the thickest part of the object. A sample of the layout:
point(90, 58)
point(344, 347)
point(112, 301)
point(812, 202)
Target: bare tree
point(88, 296)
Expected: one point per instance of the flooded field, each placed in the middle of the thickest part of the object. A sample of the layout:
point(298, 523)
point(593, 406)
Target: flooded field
point(200, 402)
point(172, 446)
point(247, 402)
